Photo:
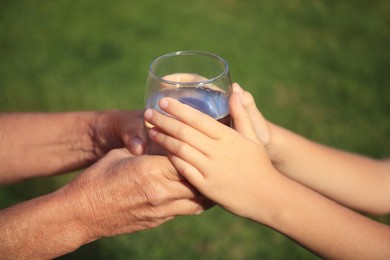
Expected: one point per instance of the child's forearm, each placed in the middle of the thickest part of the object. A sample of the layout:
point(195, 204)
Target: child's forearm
point(319, 224)
point(356, 181)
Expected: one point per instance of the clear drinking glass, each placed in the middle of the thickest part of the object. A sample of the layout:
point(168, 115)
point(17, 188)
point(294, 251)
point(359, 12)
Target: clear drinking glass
point(198, 79)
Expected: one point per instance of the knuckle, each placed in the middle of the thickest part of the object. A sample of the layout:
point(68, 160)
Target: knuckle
point(198, 120)
point(183, 132)
point(150, 223)
point(180, 148)
point(198, 209)
point(158, 119)
point(155, 195)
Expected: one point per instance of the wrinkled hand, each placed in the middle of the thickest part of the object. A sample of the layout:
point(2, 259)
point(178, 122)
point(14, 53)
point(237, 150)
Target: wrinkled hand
point(223, 164)
point(123, 194)
point(116, 129)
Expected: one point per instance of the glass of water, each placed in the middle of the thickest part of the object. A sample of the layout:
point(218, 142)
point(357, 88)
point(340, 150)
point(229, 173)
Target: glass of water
point(198, 79)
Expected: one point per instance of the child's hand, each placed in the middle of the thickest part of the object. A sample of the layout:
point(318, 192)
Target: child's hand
point(260, 124)
point(225, 165)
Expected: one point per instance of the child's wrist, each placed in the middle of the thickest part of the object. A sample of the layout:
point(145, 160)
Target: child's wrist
point(265, 206)
point(274, 144)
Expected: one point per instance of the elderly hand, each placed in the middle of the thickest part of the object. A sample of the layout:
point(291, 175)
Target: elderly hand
point(119, 194)
point(124, 194)
point(118, 128)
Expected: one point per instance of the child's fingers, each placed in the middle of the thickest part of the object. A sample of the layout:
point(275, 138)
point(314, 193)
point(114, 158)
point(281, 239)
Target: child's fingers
point(193, 117)
point(178, 130)
point(241, 119)
point(249, 103)
point(177, 147)
point(259, 123)
point(192, 175)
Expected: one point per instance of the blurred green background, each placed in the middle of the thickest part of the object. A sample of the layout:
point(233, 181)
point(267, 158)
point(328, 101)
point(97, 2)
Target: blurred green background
point(320, 68)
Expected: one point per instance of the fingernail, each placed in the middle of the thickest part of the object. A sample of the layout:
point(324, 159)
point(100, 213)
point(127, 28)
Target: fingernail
point(152, 132)
point(163, 103)
point(237, 88)
point(136, 146)
point(148, 113)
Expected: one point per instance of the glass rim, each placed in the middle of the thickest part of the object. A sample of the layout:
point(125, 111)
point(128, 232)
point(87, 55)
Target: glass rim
point(201, 82)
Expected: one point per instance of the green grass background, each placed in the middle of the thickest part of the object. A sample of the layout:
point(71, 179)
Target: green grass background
point(320, 68)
